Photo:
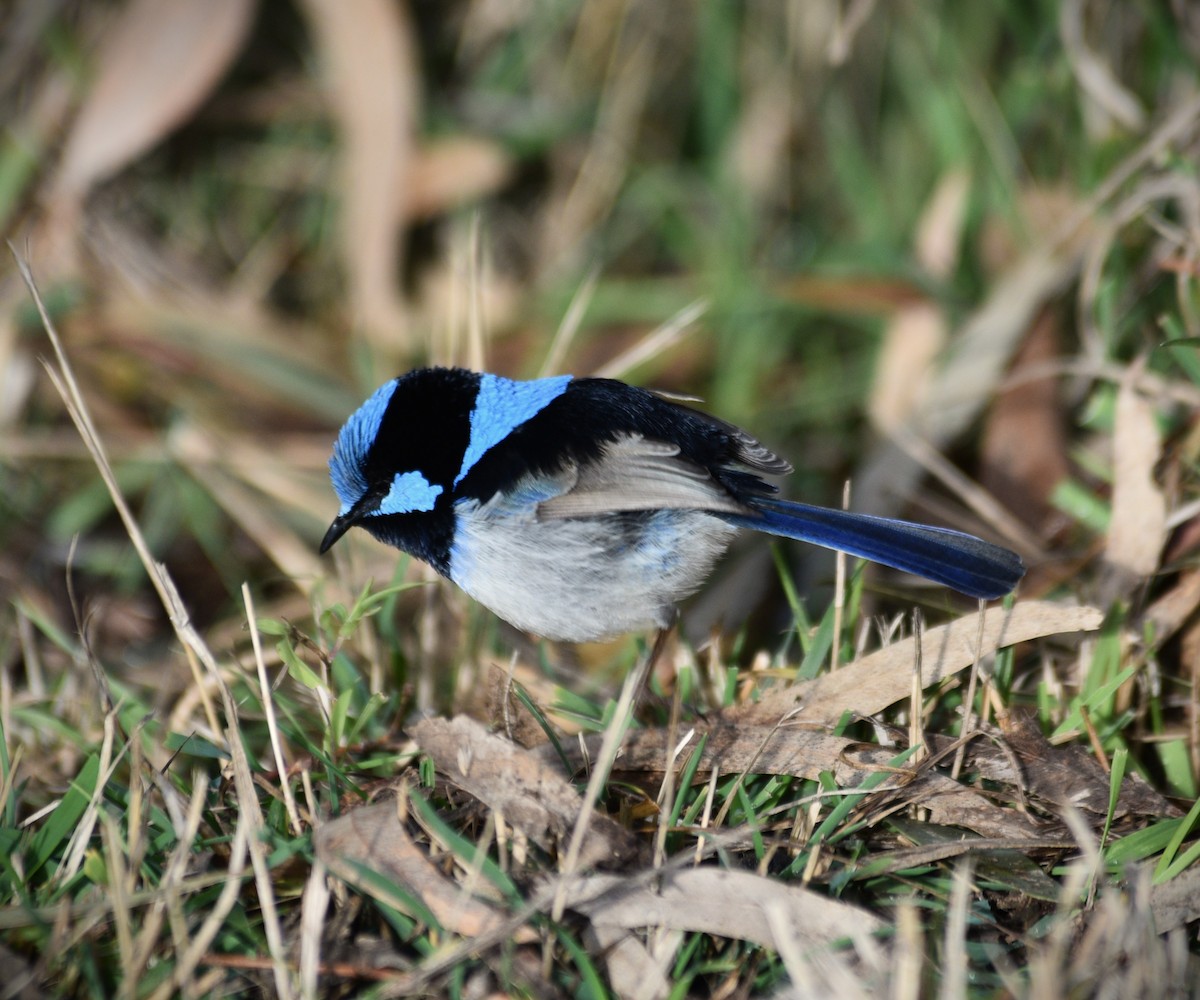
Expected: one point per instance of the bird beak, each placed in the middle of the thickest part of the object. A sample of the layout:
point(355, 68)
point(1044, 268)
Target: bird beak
point(340, 526)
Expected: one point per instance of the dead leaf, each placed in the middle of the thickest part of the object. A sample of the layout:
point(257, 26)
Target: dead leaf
point(988, 339)
point(1177, 902)
point(997, 859)
point(803, 753)
point(942, 799)
point(1024, 450)
point(732, 749)
point(1171, 610)
point(373, 837)
point(1060, 775)
point(1138, 525)
point(1108, 101)
point(530, 794)
point(371, 74)
point(632, 970)
point(873, 682)
point(939, 230)
point(757, 151)
point(495, 697)
point(946, 802)
point(730, 904)
point(981, 351)
point(155, 64)
point(856, 295)
point(912, 341)
point(449, 172)
point(1045, 209)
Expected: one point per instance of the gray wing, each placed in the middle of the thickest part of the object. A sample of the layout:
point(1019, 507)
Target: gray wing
point(635, 473)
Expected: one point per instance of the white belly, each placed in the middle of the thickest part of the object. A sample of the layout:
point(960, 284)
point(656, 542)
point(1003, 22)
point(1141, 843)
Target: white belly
point(588, 578)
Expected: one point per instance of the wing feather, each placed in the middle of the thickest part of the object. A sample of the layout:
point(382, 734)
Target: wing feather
point(636, 473)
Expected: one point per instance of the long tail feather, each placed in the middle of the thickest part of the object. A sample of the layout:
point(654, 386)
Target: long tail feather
point(958, 560)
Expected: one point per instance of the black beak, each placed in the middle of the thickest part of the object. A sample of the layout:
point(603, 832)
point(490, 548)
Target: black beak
point(339, 527)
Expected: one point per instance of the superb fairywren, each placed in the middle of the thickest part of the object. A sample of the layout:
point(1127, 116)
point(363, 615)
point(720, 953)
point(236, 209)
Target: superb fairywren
point(582, 508)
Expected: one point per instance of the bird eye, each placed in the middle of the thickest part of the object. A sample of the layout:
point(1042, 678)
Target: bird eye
point(410, 492)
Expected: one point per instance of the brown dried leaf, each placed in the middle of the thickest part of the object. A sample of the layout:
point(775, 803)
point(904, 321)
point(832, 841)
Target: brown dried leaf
point(982, 349)
point(448, 172)
point(1170, 611)
point(758, 155)
point(529, 794)
point(939, 230)
point(1024, 450)
point(1108, 100)
point(731, 749)
point(730, 904)
point(1061, 775)
point(1177, 902)
point(632, 970)
point(856, 295)
point(156, 63)
point(1185, 537)
point(912, 340)
point(948, 803)
point(373, 83)
point(998, 859)
point(802, 753)
point(374, 838)
point(1138, 525)
point(872, 683)
point(986, 342)
point(943, 799)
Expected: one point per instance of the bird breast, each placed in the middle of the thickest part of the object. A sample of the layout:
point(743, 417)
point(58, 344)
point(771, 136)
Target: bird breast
point(585, 578)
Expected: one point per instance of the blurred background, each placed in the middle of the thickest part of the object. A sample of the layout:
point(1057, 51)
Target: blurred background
point(916, 246)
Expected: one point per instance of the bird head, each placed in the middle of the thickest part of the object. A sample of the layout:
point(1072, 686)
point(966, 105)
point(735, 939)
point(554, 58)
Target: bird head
point(396, 455)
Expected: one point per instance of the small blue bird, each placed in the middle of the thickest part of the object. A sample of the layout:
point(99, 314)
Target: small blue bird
point(583, 508)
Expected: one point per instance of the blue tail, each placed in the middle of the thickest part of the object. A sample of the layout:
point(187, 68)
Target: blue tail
point(960, 561)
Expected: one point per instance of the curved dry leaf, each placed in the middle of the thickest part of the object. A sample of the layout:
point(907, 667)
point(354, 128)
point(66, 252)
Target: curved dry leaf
point(804, 753)
point(371, 75)
point(940, 228)
point(872, 683)
point(156, 63)
point(974, 366)
point(1177, 902)
point(374, 838)
point(1061, 775)
point(1108, 98)
point(985, 344)
point(730, 904)
point(731, 749)
point(998, 859)
point(944, 801)
point(758, 150)
point(449, 172)
point(1024, 447)
point(632, 970)
point(1171, 610)
point(531, 795)
point(912, 341)
point(1138, 525)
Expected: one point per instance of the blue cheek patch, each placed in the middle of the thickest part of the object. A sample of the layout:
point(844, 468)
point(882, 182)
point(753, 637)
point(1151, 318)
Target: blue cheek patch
point(501, 406)
point(411, 492)
point(353, 442)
